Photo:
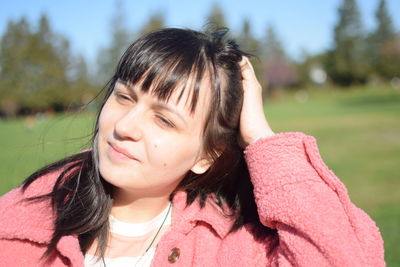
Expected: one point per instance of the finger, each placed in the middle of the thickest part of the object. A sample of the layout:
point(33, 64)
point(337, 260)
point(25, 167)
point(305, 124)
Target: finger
point(247, 71)
point(243, 61)
point(246, 67)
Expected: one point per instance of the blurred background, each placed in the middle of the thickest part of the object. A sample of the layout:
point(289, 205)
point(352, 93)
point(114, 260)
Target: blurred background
point(328, 68)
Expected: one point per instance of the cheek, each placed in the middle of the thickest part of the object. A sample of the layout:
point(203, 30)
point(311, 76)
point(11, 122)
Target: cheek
point(103, 119)
point(164, 163)
point(158, 151)
point(107, 119)
point(173, 153)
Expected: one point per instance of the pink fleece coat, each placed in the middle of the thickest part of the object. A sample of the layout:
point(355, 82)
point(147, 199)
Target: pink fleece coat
point(296, 194)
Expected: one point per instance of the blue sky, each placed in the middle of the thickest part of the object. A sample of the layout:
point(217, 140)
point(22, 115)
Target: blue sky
point(301, 24)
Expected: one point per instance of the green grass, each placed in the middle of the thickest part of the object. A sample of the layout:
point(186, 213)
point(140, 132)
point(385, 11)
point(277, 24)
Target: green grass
point(358, 133)
point(24, 150)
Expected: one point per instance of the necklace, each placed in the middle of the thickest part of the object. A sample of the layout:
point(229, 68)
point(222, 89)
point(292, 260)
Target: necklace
point(155, 236)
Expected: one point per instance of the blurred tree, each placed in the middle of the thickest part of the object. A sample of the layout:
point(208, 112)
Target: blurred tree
point(278, 70)
point(252, 45)
point(382, 43)
point(310, 70)
point(34, 68)
point(155, 22)
point(384, 30)
point(108, 57)
point(389, 58)
point(83, 91)
point(12, 50)
point(216, 18)
point(273, 46)
point(247, 40)
point(46, 71)
point(346, 63)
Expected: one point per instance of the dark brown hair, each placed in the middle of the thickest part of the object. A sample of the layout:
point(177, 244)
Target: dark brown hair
point(160, 61)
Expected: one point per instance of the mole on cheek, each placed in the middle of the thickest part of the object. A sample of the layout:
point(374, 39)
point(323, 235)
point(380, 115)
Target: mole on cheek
point(165, 164)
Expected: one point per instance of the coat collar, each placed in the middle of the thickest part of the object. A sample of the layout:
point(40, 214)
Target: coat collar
point(34, 220)
point(185, 218)
point(28, 219)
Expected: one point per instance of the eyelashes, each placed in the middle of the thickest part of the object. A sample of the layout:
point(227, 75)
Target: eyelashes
point(164, 121)
point(125, 99)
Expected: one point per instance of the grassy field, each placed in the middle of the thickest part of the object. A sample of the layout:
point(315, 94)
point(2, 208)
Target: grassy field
point(358, 133)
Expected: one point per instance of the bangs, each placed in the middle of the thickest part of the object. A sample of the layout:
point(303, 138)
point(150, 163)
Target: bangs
point(162, 65)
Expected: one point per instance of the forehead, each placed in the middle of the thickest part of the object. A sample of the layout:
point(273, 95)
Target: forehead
point(187, 90)
point(188, 97)
point(191, 95)
point(176, 74)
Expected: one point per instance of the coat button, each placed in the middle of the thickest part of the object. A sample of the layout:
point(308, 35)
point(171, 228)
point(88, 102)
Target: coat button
point(173, 255)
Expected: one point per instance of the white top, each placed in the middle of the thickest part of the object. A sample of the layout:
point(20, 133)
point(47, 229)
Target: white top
point(128, 242)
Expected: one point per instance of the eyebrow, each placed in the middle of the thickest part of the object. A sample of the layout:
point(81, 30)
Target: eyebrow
point(161, 105)
point(156, 105)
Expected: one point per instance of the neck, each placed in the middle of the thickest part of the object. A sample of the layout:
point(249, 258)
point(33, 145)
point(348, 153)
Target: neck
point(134, 209)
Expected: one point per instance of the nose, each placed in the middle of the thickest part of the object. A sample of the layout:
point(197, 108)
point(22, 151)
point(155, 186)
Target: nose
point(128, 126)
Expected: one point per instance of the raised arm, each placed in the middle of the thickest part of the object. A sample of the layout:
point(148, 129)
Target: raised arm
point(298, 195)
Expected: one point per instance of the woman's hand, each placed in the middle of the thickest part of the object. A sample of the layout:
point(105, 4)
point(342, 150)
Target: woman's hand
point(253, 123)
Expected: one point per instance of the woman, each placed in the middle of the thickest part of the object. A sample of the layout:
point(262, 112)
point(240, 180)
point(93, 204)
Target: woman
point(166, 181)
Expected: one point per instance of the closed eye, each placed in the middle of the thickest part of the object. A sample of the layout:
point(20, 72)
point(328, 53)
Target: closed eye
point(122, 97)
point(164, 121)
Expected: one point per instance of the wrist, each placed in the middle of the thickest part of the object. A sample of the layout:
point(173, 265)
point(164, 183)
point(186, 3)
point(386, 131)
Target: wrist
point(265, 134)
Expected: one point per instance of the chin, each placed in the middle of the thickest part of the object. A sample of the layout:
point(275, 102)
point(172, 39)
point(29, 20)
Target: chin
point(119, 177)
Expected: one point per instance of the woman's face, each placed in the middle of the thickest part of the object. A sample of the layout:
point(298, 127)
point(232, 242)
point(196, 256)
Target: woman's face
point(146, 145)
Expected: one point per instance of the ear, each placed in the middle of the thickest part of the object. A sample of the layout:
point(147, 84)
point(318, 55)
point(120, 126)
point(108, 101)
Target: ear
point(201, 166)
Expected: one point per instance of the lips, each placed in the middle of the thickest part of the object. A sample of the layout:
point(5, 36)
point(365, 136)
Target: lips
point(119, 152)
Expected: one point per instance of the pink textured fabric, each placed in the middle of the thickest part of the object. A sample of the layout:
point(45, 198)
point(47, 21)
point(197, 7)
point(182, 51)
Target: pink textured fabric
point(296, 194)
